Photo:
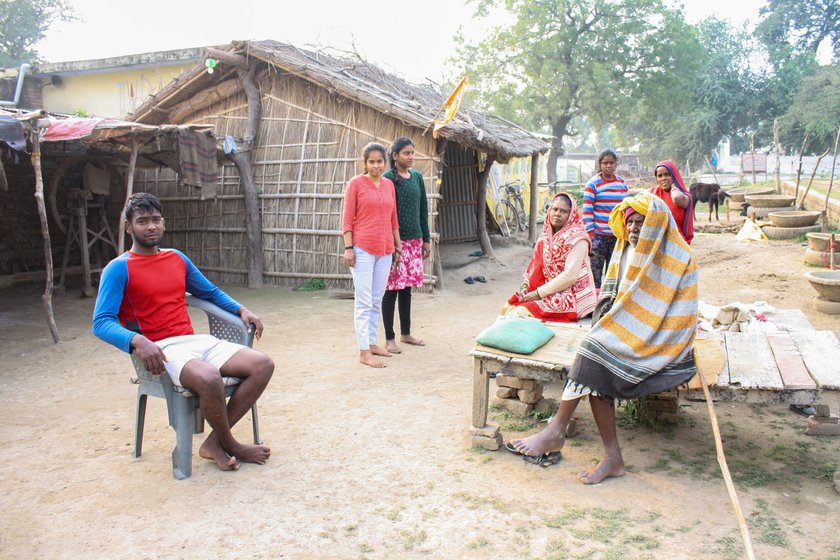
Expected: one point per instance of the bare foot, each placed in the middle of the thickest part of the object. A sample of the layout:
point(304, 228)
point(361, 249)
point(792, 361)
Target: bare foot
point(547, 441)
point(379, 351)
point(408, 339)
point(391, 346)
point(366, 357)
point(258, 454)
point(212, 450)
point(609, 467)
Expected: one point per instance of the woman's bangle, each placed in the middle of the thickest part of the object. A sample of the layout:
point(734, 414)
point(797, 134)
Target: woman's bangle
point(537, 291)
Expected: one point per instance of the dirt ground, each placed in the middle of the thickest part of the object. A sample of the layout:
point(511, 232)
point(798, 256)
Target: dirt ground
point(378, 463)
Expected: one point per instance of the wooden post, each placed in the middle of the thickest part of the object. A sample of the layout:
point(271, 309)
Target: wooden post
point(87, 284)
point(481, 209)
point(776, 148)
point(45, 233)
point(243, 161)
point(801, 204)
point(129, 190)
point(532, 210)
point(752, 156)
point(833, 164)
point(799, 169)
point(831, 252)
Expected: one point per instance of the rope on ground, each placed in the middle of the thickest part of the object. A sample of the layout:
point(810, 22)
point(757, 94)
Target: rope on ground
point(724, 469)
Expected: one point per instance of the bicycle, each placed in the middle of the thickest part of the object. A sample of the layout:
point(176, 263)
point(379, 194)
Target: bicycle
point(553, 189)
point(512, 205)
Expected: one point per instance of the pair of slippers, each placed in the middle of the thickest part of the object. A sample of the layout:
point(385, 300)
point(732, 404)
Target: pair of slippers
point(545, 460)
point(474, 279)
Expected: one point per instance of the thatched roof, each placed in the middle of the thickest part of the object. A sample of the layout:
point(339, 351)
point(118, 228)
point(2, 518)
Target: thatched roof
point(415, 105)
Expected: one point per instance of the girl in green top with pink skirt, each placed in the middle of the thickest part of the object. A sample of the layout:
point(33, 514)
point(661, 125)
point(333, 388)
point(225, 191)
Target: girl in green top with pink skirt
point(413, 217)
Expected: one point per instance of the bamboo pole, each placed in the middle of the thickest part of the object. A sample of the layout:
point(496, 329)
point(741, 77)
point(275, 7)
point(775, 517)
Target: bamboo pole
point(129, 191)
point(727, 477)
point(45, 233)
point(831, 252)
point(532, 211)
point(799, 169)
point(811, 180)
point(778, 162)
point(752, 156)
point(833, 165)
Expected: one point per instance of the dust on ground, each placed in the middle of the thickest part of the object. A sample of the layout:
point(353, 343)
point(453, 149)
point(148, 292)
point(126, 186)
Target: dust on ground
point(378, 463)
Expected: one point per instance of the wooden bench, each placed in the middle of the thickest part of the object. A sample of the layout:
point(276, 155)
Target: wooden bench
point(792, 367)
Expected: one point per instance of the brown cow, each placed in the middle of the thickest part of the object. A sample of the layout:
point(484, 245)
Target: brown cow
point(710, 193)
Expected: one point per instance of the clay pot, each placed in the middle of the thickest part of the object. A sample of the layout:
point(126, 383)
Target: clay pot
point(793, 218)
point(826, 283)
point(819, 242)
point(737, 194)
point(770, 200)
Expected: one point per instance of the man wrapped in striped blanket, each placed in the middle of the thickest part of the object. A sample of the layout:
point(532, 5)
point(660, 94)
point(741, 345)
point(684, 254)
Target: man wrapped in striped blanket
point(641, 340)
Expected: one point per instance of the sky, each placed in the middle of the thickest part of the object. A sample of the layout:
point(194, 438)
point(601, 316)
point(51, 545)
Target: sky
point(411, 39)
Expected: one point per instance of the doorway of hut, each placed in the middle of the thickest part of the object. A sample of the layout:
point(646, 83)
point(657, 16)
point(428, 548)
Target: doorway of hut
point(458, 192)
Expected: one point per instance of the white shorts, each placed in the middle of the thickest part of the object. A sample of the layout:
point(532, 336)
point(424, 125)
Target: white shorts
point(181, 349)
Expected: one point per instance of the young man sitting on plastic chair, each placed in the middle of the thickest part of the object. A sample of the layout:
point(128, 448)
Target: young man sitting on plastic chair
point(141, 308)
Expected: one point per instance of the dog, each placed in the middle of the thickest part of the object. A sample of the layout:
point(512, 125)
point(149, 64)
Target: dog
point(710, 193)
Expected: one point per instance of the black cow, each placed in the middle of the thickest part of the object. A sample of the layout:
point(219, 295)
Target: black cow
point(709, 193)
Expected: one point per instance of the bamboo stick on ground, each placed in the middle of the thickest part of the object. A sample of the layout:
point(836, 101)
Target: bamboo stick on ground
point(727, 477)
point(801, 204)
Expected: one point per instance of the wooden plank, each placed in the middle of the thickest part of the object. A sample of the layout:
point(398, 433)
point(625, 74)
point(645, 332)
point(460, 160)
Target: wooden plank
point(710, 356)
point(789, 361)
point(751, 363)
point(481, 390)
point(820, 351)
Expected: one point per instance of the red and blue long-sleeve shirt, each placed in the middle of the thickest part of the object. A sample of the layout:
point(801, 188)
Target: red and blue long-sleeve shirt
point(599, 198)
point(146, 294)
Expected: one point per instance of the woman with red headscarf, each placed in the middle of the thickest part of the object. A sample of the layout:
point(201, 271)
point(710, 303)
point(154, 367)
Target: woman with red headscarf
point(671, 189)
point(558, 284)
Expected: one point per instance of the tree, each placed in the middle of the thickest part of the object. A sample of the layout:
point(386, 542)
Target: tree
point(562, 59)
point(815, 110)
point(25, 22)
point(712, 95)
point(802, 23)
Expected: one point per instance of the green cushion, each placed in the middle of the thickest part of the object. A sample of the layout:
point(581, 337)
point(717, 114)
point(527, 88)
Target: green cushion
point(515, 334)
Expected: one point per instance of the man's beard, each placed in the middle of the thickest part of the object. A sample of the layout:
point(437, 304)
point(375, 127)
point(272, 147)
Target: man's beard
point(148, 244)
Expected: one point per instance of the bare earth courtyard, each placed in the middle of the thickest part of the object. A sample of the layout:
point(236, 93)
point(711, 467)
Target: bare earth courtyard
point(378, 463)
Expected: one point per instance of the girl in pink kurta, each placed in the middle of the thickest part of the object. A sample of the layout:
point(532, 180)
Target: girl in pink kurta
point(371, 245)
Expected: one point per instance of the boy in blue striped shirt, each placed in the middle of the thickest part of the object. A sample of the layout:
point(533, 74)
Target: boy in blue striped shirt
point(602, 193)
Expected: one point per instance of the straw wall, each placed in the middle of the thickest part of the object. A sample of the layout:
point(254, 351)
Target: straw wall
point(309, 145)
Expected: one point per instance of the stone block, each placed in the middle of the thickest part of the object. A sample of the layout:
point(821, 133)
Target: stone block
point(530, 397)
point(514, 406)
point(488, 431)
point(822, 410)
point(516, 382)
point(488, 443)
point(819, 427)
point(506, 392)
point(666, 417)
point(660, 405)
point(546, 406)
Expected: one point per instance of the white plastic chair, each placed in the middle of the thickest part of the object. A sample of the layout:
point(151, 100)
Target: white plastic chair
point(182, 404)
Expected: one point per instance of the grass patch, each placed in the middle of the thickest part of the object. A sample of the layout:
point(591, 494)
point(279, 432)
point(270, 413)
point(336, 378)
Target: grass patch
point(768, 527)
point(642, 542)
point(480, 542)
point(563, 519)
point(606, 526)
point(729, 548)
point(313, 285)
point(751, 474)
point(410, 540)
point(475, 502)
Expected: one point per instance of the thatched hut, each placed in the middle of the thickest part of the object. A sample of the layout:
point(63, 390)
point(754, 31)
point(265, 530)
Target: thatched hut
point(299, 120)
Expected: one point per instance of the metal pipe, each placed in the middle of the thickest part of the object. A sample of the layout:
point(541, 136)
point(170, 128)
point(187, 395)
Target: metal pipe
point(24, 69)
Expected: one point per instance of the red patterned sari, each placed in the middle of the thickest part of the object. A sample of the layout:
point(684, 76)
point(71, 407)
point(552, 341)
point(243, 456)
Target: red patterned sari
point(549, 260)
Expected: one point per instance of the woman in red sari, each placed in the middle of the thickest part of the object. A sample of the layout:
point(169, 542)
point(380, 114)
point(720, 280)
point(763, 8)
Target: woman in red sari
point(671, 189)
point(558, 284)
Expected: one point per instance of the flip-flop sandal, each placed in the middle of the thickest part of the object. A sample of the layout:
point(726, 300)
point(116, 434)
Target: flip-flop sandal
point(469, 280)
point(544, 460)
point(481, 279)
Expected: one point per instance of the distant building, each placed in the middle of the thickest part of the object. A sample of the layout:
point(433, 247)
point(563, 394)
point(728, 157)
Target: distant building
point(105, 87)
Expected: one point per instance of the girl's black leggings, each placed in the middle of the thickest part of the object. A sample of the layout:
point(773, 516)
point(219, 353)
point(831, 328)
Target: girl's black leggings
point(388, 301)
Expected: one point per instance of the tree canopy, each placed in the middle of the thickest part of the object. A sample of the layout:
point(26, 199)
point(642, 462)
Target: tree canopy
point(802, 23)
point(561, 59)
point(25, 22)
